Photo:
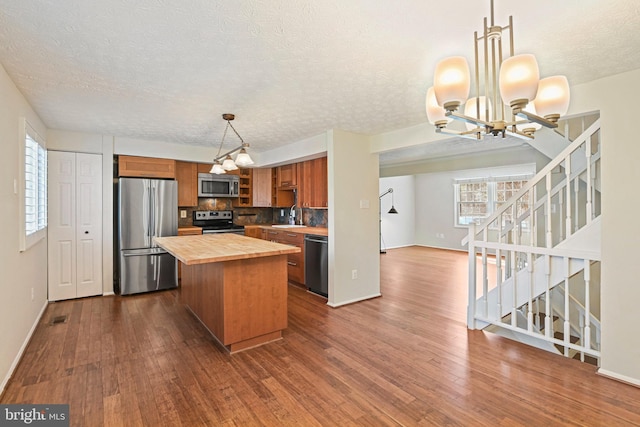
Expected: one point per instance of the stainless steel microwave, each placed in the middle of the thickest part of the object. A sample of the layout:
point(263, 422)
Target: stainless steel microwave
point(212, 185)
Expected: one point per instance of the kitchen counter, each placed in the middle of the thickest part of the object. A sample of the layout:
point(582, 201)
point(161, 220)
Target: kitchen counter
point(319, 231)
point(206, 248)
point(235, 285)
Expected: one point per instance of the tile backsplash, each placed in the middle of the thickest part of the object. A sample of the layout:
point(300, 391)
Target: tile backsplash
point(250, 216)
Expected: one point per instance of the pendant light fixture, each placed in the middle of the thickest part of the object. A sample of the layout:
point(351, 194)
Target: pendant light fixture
point(508, 90)
point(224, 162)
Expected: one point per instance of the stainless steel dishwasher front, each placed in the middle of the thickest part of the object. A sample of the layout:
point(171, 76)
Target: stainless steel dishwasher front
point(316, 264)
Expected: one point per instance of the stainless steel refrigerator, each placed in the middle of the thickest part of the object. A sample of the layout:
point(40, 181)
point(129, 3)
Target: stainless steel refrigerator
point(148, 208)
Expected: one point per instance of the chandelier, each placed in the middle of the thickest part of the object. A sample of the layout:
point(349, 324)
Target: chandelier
point(228, 164)
point(524, 103)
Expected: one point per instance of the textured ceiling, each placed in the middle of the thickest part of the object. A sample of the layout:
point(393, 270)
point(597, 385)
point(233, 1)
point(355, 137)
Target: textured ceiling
point(166, 70)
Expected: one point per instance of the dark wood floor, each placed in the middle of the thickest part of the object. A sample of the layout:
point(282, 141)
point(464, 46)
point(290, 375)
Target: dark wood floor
point(403, 359)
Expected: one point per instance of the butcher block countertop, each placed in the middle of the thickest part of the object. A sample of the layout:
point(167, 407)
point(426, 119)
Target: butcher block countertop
point(207, 248)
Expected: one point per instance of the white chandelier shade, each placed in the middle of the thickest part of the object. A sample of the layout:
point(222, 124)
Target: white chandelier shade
point(553, 96)
point(435, 113)
point(452, 81)
point(519, 77)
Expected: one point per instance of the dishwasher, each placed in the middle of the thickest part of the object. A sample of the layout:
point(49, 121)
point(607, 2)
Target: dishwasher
point(316, 264)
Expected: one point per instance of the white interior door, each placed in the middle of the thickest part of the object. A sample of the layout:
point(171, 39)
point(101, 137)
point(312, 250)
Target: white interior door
point(88, 224)
point(74, 225)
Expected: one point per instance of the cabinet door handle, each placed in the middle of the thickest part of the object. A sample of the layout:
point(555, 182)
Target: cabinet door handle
point(292, 263)
point(292, 235)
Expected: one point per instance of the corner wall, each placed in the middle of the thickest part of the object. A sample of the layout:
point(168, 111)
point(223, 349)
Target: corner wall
point(353, 218)
point(614, 96)
point(23, 272)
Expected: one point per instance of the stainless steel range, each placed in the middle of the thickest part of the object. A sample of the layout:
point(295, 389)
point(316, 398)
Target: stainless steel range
point(216, 222)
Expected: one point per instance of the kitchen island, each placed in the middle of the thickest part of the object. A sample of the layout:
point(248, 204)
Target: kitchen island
point(235, 285)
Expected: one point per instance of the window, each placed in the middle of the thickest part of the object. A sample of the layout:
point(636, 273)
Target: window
point(478, 198)
point(34, 188)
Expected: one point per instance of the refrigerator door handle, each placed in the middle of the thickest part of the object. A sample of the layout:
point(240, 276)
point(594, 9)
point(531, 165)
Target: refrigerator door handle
point(144, 252)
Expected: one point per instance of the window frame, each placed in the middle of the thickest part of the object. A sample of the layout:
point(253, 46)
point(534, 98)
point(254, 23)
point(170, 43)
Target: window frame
point(33, 161)
point(491, 202)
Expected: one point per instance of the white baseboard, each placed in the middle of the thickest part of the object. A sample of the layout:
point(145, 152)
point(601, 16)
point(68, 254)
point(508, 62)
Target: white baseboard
point(619, 377)
point(354, 300)
point(106, 294)
point(15, 362)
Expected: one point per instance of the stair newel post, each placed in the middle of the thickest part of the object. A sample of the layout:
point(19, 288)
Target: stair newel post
point(514, 278)
point(567, 172)
point(548, 329)
point(587, 304)
point(548, 225)
point(485, 274)
point(589, 206)
point(567, 321)
point(531, 285)
point(471, 307)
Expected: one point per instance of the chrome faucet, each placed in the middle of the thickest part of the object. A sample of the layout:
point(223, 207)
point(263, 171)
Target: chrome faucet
point(292, 215)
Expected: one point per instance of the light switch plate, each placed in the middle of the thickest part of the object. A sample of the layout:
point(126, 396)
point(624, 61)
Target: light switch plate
point(364, 204)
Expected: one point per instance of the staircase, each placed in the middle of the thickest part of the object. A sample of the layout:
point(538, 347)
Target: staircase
point(534, 264)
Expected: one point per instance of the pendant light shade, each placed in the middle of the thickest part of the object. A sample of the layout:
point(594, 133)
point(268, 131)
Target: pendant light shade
point(452, 82)
point(217, 168)
point(471, 110)
point(435, 113)
point(243, 159)
point(552, 100)
point(229, 164)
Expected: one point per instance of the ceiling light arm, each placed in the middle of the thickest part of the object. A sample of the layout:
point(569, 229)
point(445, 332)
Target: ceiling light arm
point(230, 152)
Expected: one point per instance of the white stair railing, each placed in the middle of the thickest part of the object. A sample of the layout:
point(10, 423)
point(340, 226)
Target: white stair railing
point(530, 239)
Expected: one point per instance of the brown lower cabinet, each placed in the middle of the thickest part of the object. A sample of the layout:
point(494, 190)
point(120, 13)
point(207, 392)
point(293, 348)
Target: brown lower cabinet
point(295, 262)
point(186, 231)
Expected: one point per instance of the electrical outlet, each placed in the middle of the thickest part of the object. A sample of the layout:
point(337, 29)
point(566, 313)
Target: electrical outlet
point(183, 213)
point(364, 204)
point(354, 274)
point(33, 295)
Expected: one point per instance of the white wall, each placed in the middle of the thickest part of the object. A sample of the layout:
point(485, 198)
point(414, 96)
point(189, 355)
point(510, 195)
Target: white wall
point(614, 97)
point(21, 271)
point(353, 218)
point(398, 230)
point(435, 204)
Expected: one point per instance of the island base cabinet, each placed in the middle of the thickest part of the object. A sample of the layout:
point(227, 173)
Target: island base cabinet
point(243, 303)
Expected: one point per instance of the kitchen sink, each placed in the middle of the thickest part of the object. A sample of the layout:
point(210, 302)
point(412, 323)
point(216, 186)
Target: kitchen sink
point(288, 226)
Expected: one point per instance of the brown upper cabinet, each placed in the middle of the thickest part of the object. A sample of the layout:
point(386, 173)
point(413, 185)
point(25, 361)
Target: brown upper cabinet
point(187, 177)
point(262, 187)
point(312, 183)
point(146, 167)
point(204, 167)
point(287, 175)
